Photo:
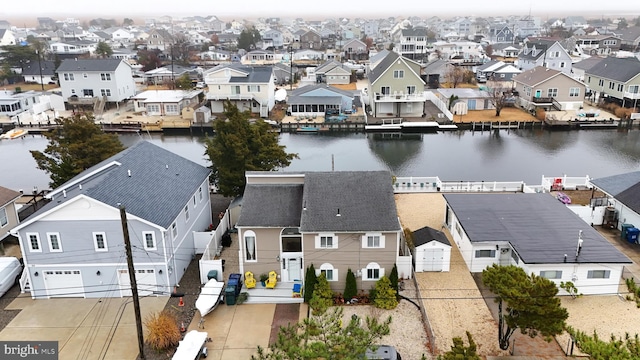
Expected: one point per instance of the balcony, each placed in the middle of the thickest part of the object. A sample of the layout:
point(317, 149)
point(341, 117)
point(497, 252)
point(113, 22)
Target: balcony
point(82, 100)
point(401, 97)
point(632, 95)
point(542, 100)
point(236, 97)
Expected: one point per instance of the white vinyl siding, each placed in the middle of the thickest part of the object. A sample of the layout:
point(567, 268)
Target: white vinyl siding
point(149, 238)
point(326, 241)
point(54, 242)
point(100, 241)
point(373, 240)
point(34, 242)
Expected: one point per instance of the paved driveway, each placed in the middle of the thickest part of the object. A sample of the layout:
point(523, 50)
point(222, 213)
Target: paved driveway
point(84, 328)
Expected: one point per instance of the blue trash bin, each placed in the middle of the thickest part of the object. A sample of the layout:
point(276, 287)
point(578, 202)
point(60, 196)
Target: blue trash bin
point(632, 235)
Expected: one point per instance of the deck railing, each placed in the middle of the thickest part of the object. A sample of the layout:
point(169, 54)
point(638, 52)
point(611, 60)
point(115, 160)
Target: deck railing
point(434, 184)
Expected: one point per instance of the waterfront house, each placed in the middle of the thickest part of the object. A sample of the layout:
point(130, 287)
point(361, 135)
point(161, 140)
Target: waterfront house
point(546, 53)
point(74, 245)
point(332, 72)
point(536, 232)
point(165, 102)
point(395, 87)
point(466, 99)
point(249, 87)
point(623, 193)
point(12, 104)
point(333, 220)
point(412, 43)
point(8, 211)
point(615, 79)
point(580, 68)
point(95, 81)
point(318, 99)
point(548, 89)
point(593, 45)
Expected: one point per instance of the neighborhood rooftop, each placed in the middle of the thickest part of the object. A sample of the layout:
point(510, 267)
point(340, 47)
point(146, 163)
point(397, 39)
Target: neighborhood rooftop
point(89, 65)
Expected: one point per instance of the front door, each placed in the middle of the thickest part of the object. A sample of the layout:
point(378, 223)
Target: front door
point(293, 269)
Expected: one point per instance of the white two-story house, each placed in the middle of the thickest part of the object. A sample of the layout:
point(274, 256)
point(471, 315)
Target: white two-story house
point(85, 81)
point(546, 53)
point(413, 43)
point(74, 246)
point(248, 87)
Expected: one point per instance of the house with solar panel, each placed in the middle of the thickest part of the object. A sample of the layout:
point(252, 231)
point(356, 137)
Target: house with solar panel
point(536, 232)
point(74, 245)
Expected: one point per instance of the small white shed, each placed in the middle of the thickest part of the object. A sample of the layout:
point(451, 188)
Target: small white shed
point(432, 250)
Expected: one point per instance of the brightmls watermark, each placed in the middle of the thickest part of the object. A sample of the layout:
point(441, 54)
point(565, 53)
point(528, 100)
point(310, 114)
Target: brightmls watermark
point(29, 350)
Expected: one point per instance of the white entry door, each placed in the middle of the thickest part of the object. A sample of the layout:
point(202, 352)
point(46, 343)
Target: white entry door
point(293, 269)
point(145, 279)
point(433, 260)
point(63, 283)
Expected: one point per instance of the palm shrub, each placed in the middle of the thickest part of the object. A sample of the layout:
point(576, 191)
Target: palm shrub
point(310, 280)
point(351, 288)
point(385, 295)
point(162, 330)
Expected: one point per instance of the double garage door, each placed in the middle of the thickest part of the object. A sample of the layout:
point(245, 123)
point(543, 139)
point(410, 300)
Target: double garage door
point(145, 280)
point(433, 260)
point(63, 283)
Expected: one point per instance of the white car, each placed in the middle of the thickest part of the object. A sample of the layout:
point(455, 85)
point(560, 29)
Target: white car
point(10, 271)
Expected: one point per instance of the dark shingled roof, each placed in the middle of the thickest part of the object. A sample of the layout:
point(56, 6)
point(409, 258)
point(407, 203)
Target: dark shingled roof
point(383, 66)
point(427, 234)
point(271, 206)
point(364, 200)
point(89, 65)
point(624, 187)
point(617, 69)
point(33, 68)
point(257, 74)
point(540, 228)
point(161, 182)
point(305, 89)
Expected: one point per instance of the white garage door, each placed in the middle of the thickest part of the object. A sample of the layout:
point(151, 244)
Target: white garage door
point(63, 283)
point(145, 279)
point(433, 259)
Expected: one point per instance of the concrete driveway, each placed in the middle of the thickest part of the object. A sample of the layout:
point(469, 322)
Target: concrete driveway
point(84, 328)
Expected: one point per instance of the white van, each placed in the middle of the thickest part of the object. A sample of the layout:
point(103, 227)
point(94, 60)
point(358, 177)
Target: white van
point(10, 271)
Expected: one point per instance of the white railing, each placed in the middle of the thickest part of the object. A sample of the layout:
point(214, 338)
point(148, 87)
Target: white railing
point(419, 96)
point(440, 104)
point(213, 248)
point(434, 184)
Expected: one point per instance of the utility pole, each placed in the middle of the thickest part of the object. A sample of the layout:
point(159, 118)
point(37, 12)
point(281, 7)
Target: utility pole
point(40, 68)
point(290, 67)
point(132, 279)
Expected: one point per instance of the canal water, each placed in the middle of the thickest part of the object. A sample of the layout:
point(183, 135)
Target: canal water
point(505, 155)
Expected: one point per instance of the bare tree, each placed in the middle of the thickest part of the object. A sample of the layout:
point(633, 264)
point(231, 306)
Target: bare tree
point(454, 75)
point(498, 95)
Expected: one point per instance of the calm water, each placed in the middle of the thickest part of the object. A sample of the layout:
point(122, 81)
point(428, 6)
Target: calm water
point(502, 156)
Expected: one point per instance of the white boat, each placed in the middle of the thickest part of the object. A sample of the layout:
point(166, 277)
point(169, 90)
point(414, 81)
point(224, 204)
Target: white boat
point(14, 134)
point(192, 346)
point(210, 296)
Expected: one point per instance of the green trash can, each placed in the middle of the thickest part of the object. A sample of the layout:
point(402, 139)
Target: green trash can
point(212, 274)
point(230, 295)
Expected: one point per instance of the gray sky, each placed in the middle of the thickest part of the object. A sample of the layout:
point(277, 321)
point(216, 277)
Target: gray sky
point(250, 9)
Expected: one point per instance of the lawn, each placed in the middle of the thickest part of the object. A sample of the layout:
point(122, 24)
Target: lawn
point(350, 86)
point(507, 114)
point(30, 86)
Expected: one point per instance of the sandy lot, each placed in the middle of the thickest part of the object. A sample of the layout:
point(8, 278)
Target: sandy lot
point(451, 299)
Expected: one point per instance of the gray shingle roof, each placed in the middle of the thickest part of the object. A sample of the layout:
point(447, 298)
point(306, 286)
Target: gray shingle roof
point(383, 66)
point(538, 227)
point(161, 182)
point(7, 195)
point(33, 68)
point(631, 198)
point(588, 63)
point(364, 200)
point(271, 206)
point(426, 234)
point(614, 185)
point(417, 31)
point(536, 75)
point(305, 89)
point(89, 65)
point(257, 74)
point(617, 69)
point(326, 100)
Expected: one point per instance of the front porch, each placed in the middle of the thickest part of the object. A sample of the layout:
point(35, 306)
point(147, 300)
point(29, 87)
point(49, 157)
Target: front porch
point(282, 294)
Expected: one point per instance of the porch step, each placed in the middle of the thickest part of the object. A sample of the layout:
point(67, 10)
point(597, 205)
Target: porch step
point(282, 294)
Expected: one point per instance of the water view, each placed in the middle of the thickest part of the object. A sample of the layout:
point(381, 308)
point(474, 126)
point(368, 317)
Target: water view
point(501, 156)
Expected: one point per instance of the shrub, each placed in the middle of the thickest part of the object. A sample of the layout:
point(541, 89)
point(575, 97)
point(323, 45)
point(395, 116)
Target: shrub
point(385, 295)
point(623, 113)
point(351, 287)
point(226, 239)
point(310, 281)
point(393, 278)
point(162, 330)
point(322, 296)
point(408, 237)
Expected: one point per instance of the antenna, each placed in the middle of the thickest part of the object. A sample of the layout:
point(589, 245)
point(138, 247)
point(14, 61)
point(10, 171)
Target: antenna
point(580, 241)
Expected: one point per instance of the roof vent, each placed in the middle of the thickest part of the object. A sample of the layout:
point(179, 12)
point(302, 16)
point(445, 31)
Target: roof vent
point(129, 173)
point(64, 193)
point(338, 214)
point(80, 186)
point(166, 166)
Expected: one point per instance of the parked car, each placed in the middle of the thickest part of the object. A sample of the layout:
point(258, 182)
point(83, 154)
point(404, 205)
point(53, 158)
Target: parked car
point(383, 352)
point(563, 198)
point(10, 271)
point(200, 85)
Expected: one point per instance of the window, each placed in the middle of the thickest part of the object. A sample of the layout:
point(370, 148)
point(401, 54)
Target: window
point(85, 75)
point(171, 108)
point(253, 88)
point(411, 89)
point(100, 241)
point(68, 77)
point(329, 272)
point(34, 242)
point(235, 90)
point(105, 92)
point(598, 274)
point(4, 220)
point(105, 77)
point(73, 91)
point(398, 74)
point(195, 202)
point(555, 54)
point(634, 89)
point(200, 193)
point(612, 85)
point(186, 213)
point(485, 253)
point(600, 82)
point(551, 274)
point(385, 90)
point(54, 242)
point(174, 231)
point(373, 240)
point(552, 92)
point(149, 240)
point(250, 245)
point(620, 87)
point(373, 272)
point(574, 92)
point(152, 108)
point(326, 241)
point(562, 64)
point(515, 257)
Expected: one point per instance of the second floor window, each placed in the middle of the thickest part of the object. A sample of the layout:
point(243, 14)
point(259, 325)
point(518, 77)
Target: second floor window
point(398, 74)
point(552, 92)
point(105, 77)
point(68, 77)
point(574, 92)
point(100, 241)
point(105, 92)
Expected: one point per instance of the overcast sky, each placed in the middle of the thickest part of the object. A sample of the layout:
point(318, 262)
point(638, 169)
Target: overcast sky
point(250, 9)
